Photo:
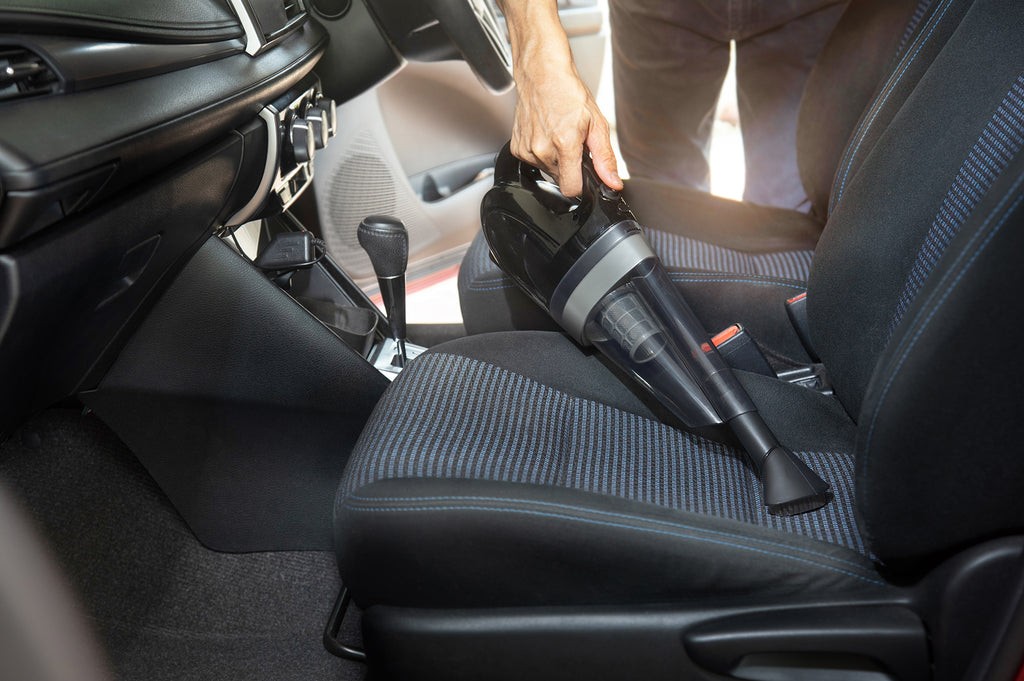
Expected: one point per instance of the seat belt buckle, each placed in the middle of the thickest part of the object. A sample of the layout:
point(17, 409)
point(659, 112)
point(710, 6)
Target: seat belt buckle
point(740, 351)
point(796, 308)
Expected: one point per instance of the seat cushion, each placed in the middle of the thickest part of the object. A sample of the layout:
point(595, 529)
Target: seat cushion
point(563, 486)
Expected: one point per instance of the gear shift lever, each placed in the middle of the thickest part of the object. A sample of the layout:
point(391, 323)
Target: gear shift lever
point(386, 241)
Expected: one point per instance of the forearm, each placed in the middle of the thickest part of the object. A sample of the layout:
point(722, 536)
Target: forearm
point(555, 113)
point(536, 35)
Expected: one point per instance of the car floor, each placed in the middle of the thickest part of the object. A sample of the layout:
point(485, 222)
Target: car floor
point(164, 606)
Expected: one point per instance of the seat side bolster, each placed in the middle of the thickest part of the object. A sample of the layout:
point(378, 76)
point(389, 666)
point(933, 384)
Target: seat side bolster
point(467, 543)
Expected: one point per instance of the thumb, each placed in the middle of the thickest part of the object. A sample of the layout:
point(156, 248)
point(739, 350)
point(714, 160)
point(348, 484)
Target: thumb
point(600, 145)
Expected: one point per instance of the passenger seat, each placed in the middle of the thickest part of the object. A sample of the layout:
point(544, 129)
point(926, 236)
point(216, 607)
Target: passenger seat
point(512, 510)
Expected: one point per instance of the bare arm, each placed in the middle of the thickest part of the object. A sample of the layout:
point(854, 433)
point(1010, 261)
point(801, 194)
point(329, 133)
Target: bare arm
point(555, 114)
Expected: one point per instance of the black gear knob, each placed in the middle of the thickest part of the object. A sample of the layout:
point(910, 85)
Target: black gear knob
point(386, 241)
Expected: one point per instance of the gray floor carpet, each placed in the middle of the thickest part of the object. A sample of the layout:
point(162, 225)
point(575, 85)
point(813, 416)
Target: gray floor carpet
point(165, 606)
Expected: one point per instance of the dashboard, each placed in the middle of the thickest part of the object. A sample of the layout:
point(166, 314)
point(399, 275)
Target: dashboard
point(129, 134)
point(132, 132)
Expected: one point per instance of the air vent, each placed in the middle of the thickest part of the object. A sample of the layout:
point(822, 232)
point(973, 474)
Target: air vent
point(24, 73)
point(267, 22)
point(293, 8)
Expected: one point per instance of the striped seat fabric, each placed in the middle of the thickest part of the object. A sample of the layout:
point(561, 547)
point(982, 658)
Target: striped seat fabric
point(1000, 141)
point(493, 424)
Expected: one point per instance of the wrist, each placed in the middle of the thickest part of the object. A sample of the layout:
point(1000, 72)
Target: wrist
point(536, 34)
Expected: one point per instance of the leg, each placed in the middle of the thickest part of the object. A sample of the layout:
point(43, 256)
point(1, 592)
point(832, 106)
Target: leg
point(667, 79)
point(771, 71)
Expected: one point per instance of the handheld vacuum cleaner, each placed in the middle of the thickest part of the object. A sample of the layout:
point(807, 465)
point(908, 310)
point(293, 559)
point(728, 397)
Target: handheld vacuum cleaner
point(587, 262)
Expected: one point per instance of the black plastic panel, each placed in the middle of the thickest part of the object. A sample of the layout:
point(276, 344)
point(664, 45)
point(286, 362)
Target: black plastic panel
point(966, 603)
point(161, 21)
point(645, 642)
point(951, 620)
point(889, 640)
point(85, 64)
point(241, 405)
point(68, 296)
point(359, 57)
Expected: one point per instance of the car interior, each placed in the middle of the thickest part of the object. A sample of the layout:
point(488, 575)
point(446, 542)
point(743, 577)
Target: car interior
point(673, 436)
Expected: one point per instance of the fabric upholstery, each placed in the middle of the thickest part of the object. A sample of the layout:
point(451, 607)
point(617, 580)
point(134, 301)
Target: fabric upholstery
point(493, 424)
point(947, 397)
point(868, 252)
point(920, 12)
point(465, 458)
point(928, 41)
point(863, 49)
point(803, 419)
point(1000, 142)
point(681, 252)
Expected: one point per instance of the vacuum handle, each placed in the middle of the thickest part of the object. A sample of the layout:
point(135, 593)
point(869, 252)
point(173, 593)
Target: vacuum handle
point(511, 171)
point(593, 188)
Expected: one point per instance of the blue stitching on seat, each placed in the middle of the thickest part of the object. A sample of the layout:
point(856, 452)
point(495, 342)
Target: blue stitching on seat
point(690, 279)
point(474, 287)
point(613, 514)
point(390, 509)
point(862, 132)
point(949, 290)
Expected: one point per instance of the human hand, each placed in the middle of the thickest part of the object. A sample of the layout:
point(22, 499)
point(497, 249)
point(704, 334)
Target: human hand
point(555, 114)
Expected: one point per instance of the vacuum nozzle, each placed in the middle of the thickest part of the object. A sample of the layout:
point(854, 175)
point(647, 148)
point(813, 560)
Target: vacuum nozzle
point(789, 486)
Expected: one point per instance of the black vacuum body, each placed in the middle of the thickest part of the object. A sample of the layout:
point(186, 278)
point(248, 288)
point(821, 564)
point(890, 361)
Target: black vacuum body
point(587, 262)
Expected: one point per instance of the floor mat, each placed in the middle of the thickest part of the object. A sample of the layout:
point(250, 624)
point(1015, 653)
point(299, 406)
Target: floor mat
point(165, 606)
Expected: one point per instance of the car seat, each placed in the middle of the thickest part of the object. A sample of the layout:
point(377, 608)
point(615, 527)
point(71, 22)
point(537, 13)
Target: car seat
point(513, 510)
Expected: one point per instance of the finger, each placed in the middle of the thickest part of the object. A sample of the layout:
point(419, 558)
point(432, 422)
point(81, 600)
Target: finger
point(600, 144)
point(570, 175)
point(521, 150)
point(545, 157)
point(517, 145)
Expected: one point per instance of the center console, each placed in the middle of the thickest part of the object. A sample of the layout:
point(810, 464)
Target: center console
point(297, 126)
point(246, 386)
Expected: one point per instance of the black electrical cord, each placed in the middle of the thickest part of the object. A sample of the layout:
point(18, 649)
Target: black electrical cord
point(318, 243)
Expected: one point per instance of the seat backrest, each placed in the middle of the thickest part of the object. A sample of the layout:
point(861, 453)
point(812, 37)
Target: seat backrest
point(913, 299)
point(858, 55)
